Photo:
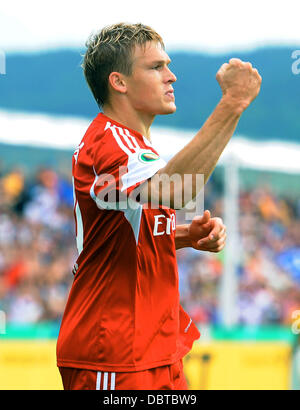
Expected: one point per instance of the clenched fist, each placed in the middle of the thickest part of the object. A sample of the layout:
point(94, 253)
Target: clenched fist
point(239, 81)
point(206, 233)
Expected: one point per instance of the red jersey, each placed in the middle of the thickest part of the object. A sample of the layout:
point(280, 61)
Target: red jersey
point(123, 311)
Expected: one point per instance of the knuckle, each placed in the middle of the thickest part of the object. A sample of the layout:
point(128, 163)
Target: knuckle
point(248, 65)
point(235, 61)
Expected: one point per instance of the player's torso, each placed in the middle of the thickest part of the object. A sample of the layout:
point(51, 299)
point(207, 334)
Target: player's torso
point(126, 272)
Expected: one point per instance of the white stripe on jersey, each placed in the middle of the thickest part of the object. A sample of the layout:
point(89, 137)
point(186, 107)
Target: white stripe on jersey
point(147, 142)
point(79, 224)
point(137, 171)
point(106, 205)
point(188, 326)
point(117, 138)
point(126, 137)
point(134, 217)
point(133, 139)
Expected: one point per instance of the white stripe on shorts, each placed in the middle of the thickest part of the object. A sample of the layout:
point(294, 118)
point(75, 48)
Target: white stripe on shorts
point(112, 381)
point(98, 381)
point(105, 381)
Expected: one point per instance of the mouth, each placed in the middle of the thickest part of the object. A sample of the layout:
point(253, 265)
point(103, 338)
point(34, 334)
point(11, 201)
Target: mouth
point(170, 94)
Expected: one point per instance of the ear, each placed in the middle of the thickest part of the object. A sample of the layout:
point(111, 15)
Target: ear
point(117, 82)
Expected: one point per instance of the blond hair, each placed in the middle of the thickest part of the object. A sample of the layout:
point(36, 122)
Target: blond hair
point(111, 49)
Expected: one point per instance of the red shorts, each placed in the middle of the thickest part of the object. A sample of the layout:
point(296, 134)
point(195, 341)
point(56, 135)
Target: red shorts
point(170, 377)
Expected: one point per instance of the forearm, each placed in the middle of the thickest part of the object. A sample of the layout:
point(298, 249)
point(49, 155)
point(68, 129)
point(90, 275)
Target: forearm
point(199, 156)
point(182, 239)
point(240, 84)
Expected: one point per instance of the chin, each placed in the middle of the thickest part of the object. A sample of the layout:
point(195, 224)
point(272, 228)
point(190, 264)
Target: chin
point(168, 110)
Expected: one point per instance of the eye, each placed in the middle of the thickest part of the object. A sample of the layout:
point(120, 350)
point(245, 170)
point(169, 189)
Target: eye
point(157, 67)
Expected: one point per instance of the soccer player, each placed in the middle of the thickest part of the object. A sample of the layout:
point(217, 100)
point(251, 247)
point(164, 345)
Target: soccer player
point(123, 326)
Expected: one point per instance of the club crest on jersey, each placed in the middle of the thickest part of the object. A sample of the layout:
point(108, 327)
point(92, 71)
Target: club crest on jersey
point(148, 156)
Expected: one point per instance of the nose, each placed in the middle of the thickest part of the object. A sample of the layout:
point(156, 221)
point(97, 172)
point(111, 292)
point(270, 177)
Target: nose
point(171, 77)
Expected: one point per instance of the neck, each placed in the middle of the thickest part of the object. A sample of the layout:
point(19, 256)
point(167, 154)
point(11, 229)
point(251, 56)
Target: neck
point(133, 119)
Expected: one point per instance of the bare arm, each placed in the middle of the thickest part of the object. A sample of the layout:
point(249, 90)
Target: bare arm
point(182, 239)
point(202, 153)
point(240, 84)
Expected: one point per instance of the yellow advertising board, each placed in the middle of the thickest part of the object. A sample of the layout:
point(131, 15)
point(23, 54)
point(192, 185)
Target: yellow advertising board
point(31, 364)
point(239, 365)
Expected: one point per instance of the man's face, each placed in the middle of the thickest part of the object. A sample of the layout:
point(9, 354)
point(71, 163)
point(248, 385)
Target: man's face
point(149, 87)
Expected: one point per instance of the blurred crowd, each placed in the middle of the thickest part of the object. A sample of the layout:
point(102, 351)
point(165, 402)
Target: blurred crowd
point(38, 251)
point(267, 257)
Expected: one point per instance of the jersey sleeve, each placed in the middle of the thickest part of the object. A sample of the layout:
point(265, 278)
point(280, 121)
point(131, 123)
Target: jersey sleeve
point(121, 163)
